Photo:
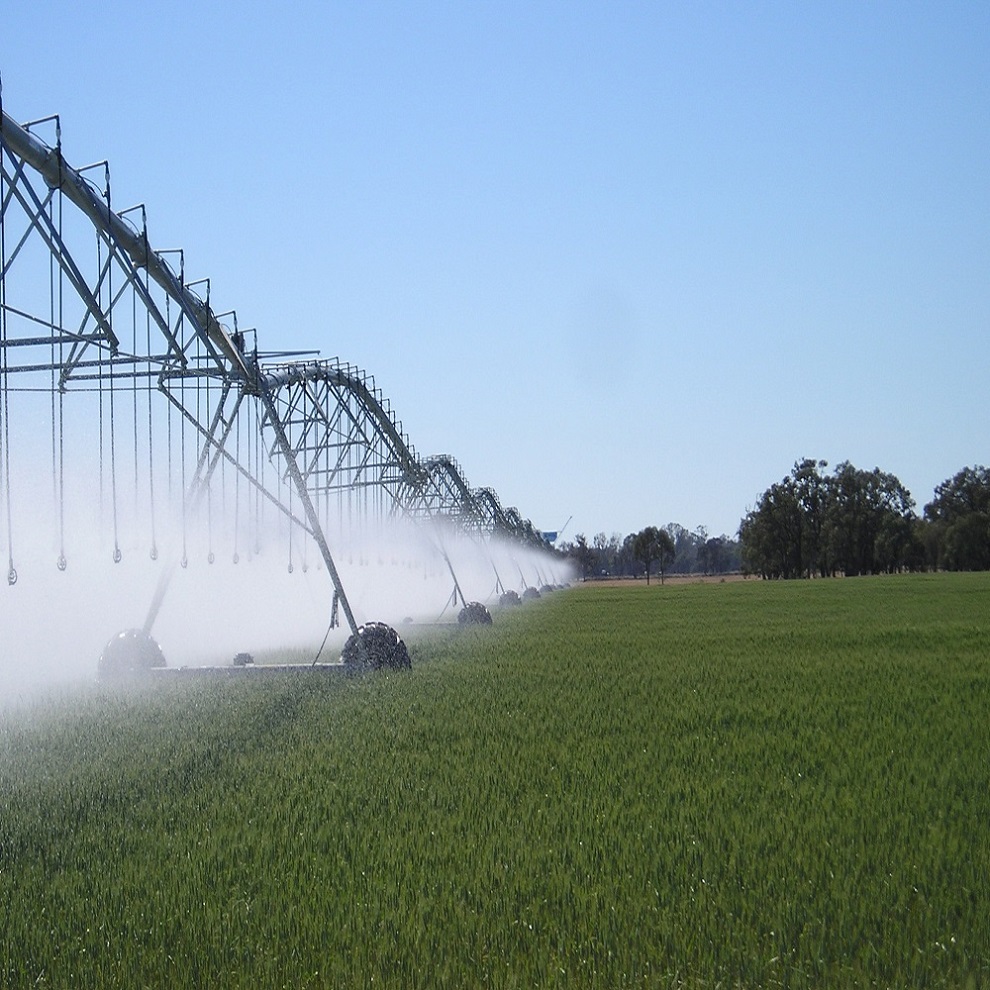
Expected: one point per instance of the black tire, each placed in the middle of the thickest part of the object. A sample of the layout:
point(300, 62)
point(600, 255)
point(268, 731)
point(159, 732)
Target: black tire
point(375, 646)
point(130, 652)
point(474, 614)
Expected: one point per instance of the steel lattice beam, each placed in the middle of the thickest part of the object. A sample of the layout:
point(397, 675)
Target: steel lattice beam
point(325, 423)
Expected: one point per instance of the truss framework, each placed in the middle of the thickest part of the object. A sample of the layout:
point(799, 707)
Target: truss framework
point(87, 305)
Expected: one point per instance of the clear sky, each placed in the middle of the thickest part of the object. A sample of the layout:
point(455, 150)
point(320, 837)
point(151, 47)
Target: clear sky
point(625, 261)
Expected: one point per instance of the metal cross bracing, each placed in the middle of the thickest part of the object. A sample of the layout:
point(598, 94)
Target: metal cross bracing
point(89, 309)
point(358, 462)
point(358, 465)
point(449, 494)
point(343, 435)
point(181, 328)
point(490, 510)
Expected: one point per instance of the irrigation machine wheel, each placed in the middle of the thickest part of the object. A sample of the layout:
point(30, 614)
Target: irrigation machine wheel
point(130, 652)
point(509, 598)
point(375, 646)
point(474, 614)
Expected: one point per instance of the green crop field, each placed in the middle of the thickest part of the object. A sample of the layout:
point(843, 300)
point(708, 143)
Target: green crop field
point(727, 785)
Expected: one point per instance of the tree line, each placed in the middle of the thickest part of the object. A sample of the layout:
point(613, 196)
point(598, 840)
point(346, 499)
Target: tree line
point(815, 524)
point(853, 521)
point(669, 549)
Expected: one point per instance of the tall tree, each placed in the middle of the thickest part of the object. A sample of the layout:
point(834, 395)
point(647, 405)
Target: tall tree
point(966, 545)
point(652, 544)
point(607, 550)
point(868, 512)
point(629, 555)
point(583, 554)
point(959, 517)
point(857, 522)
point(685, 548)
point(965, 492)
point(812, 490)
point(712, 555)
point(666, 552)
point(771, 533)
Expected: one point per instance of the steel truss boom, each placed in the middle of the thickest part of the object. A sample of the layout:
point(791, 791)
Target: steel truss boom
point(337, 445)
point(59, 175)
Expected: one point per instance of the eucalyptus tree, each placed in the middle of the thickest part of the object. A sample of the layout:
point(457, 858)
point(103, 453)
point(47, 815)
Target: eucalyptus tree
point(852, 521)
point(583, 554)
point(868, 521)
point(959, 520)
point(652, 544)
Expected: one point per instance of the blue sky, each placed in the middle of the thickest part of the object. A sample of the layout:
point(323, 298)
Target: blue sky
point(627, 262)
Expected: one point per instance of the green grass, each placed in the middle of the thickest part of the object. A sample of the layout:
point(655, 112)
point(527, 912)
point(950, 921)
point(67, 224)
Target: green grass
point(745, 784)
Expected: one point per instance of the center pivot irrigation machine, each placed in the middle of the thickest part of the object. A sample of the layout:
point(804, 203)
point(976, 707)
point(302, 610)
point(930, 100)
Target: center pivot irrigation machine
point(116, 371)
